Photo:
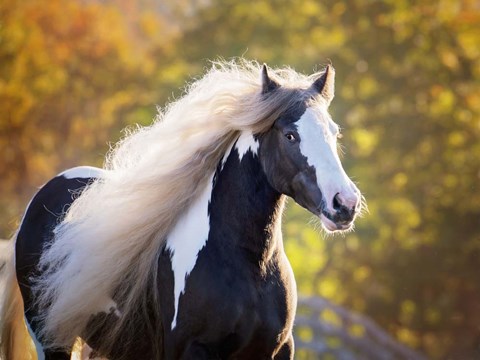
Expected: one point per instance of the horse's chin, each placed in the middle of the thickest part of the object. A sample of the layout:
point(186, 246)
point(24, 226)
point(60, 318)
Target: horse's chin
point(332, 227)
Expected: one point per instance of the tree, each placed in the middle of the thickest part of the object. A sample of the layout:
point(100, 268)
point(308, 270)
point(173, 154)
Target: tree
point(72, 75)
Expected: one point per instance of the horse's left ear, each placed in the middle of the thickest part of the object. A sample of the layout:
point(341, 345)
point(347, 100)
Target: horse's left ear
point(325, 84)
point(268, 84)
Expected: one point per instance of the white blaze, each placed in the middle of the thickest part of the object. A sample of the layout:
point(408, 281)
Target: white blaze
point(318, 144)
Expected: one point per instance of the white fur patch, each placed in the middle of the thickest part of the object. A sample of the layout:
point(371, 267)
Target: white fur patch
point(83, 172)
point(318, 145)
point(38, 346)
point(245, 143)
point(187, 238)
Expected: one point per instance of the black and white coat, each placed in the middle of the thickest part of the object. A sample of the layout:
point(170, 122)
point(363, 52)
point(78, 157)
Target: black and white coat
point(228, 290)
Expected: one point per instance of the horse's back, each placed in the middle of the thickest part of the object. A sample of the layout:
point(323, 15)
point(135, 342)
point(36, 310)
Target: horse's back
point(43, 213)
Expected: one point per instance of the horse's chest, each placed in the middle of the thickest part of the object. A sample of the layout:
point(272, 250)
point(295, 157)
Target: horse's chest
point(228, 301)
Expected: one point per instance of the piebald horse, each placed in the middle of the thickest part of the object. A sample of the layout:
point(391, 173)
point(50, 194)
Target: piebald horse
point(174, 250)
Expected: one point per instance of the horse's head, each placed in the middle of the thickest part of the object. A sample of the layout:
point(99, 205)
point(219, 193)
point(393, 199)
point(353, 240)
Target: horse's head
point(300, 159)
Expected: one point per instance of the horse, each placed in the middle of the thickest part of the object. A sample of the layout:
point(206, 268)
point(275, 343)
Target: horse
point(174, 249)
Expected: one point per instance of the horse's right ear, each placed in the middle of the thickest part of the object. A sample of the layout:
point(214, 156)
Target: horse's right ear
point(325, 84)
point(268, 84)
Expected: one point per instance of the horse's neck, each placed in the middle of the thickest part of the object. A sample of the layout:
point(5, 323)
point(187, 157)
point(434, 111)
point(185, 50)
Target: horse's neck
point(245, 209)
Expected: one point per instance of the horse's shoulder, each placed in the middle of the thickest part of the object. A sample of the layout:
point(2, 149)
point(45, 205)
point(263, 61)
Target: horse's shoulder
point(47, 208)
point(60, 188)
point(56, 194)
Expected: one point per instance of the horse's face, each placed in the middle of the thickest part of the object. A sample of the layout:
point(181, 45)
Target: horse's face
point(300, 159)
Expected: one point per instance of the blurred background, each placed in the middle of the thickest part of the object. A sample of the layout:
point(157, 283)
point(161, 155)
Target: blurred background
point(74, 73)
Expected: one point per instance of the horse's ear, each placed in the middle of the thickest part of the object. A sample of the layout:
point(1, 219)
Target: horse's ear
point(325, 84)
point(268, 84)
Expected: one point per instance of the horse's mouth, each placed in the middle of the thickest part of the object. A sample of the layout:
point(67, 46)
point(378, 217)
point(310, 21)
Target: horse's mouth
point(332, 223)
point(331, 226)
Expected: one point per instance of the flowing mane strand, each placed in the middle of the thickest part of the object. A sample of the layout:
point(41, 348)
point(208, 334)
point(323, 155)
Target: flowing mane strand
point(108, 243)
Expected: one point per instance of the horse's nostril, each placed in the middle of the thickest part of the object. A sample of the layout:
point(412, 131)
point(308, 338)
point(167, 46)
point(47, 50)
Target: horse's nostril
point(337, 205)
point(344, 212)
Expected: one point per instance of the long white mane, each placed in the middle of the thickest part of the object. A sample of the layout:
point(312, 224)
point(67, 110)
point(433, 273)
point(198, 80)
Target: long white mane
point(108, 243)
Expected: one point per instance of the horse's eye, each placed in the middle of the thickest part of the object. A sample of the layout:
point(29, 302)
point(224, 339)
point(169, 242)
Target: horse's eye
point(290, 137)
